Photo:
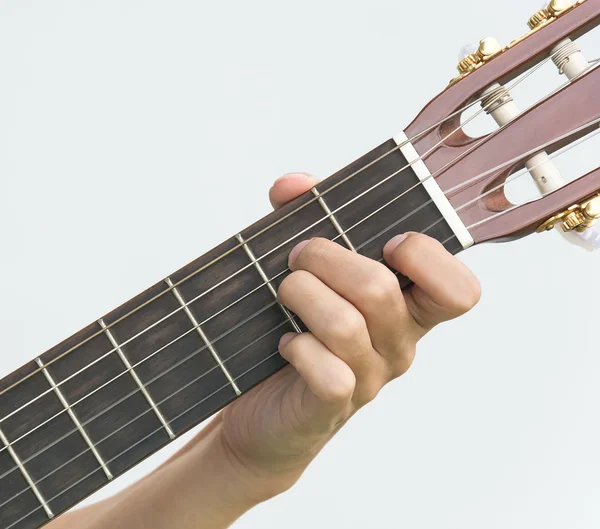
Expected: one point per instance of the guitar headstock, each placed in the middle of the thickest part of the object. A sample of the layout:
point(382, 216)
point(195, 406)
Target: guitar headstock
point(473, 171)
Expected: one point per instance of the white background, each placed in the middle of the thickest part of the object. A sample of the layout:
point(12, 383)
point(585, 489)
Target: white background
point(135, 135)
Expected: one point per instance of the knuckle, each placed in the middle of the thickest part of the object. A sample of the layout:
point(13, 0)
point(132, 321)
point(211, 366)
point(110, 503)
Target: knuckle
point(339, 391)
point(380, 288)
point(368, 392)
point(468, 297)
point(346, 327)
point(403, 361)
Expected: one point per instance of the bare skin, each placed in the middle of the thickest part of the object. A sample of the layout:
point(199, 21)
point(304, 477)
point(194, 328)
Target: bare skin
point(364, 333)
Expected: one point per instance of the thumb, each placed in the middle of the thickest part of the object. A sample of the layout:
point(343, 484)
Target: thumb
point(289, 187)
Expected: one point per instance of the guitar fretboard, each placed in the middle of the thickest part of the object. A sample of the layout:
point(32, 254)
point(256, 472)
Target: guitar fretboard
point(97, 404)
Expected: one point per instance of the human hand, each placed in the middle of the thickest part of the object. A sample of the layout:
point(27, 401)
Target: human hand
point(364, 332)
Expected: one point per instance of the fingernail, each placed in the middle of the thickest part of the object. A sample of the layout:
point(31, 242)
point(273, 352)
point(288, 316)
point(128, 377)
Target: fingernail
point(313, 179)
point(283, 177)
point(296, 252)
point(392, 244)
point(286, 339)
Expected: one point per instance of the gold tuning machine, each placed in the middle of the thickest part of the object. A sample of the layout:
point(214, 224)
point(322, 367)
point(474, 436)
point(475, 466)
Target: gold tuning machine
point(487, 49)
point(549, 13)
point(578, 217)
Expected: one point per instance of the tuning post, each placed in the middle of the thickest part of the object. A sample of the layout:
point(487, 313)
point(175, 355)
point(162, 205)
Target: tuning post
point(498, 103)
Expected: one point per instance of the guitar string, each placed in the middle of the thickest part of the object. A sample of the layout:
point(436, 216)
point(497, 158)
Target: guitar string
point(514, 177)
point(249, 265)
point(510, 179)
point(191, 330)
point(312, 200)
point(260, 286)
point(204, 293)
point(569, 147)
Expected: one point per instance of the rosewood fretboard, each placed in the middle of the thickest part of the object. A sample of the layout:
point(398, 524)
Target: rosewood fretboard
point(117, 391)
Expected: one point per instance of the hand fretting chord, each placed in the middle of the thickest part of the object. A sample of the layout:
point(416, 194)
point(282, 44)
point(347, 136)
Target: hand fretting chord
point(135, 377)
point(267, 281)
point(74, 418)
point(202, 335)
point(26, 475)
point(333, 220)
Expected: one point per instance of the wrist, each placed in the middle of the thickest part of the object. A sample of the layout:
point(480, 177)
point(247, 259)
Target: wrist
point(204, 482)
point(209, 481)
point(255, 482)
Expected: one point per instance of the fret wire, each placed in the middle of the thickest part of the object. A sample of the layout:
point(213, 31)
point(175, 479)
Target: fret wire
point(136, 379)
point(281, 219)
point(451, 237)
point(145, 359)
point(148, 435)
point(170, 396)
point(221, 282)
point(74, 418)
point(28, 478)
point(333, 220)
point(447, 240)
point(268, 281)
point(97, 360)
point(381, 259)
point(197, 379)
point(203, 336)
point(226, 279)
point(141, 440)
point(512, 178)
point(123, 399)
point(555, 154)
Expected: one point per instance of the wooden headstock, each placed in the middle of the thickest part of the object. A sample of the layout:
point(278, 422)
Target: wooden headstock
point(471, 171)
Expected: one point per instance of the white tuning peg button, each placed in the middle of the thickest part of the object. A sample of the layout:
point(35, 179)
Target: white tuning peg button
point(466, 50)
point(588, 240)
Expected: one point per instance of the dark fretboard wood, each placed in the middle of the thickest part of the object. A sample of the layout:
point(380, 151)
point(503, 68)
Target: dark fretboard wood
point(120, 389)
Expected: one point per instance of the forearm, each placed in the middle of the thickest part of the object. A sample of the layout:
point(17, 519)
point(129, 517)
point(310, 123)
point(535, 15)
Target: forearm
point(199, 488)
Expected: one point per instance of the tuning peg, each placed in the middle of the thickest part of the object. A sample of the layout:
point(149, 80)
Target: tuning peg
point(558, 6)
point(549, 12)
point(486, 49)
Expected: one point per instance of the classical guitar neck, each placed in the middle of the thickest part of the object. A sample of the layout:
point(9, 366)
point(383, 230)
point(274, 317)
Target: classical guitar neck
point(103, 400)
